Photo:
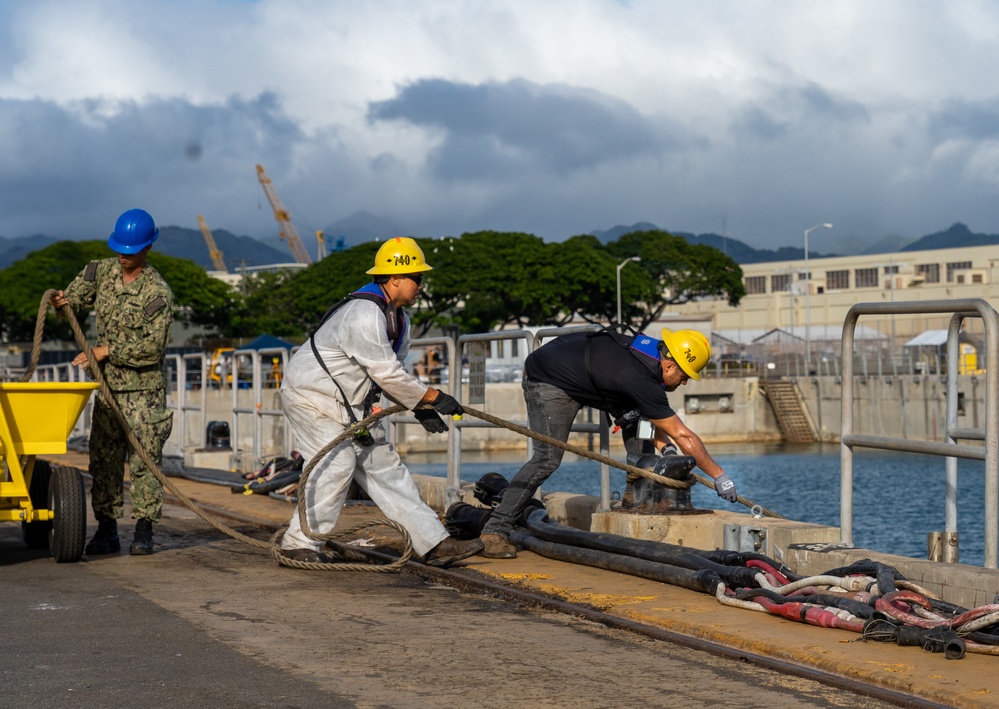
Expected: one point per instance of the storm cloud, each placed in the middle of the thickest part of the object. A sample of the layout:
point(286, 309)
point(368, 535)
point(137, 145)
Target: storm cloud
point(554, 118)
point(505, 130)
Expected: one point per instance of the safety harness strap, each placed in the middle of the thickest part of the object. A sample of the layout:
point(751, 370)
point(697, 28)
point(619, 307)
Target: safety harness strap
point(395, 327)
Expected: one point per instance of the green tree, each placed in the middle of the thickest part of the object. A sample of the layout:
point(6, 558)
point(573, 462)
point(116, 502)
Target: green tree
point(291, 303)
point(199, 298)
point(585, 283)
point(491, 278)
point(23, 283)
point(678, 272)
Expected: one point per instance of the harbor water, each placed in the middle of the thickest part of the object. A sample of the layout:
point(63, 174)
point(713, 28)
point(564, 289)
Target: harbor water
point(898, 497)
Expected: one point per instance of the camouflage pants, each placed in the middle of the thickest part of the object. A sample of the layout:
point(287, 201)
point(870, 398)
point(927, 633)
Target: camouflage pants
point(151, 423)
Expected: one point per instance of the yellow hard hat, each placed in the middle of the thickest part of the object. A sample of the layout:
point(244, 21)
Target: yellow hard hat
point(399, 255)
point(689, 349)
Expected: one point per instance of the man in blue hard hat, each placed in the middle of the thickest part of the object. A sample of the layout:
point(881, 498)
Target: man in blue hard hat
point(133, 307)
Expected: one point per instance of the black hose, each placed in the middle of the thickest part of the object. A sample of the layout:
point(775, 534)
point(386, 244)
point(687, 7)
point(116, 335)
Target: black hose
point(942, 640)
point(739, 558)
point(262, 487)
point(983, 638)
point(703, 580)
point(941, 606)
point(886, 575)
point(540, 526)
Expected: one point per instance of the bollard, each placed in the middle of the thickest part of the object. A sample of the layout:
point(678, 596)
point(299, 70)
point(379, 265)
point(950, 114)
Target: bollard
point(644, 496)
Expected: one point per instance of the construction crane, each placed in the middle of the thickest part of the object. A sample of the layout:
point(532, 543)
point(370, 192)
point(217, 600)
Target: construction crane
point(213, 250)
point(288, 232)
point(321, 253)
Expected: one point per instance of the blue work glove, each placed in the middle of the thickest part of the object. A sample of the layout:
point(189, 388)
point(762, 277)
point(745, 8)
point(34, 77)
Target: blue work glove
point(446, 404)
point(726, 488)
point(429, 419)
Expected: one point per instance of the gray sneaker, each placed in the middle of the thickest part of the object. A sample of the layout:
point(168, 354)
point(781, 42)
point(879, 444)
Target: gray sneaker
point(451, 550)
point(496, 546)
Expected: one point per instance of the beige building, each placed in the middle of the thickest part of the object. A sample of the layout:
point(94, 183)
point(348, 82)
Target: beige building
point(813, 302)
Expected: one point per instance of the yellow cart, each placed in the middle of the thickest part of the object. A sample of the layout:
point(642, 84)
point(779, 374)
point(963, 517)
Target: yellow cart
point(36, 418)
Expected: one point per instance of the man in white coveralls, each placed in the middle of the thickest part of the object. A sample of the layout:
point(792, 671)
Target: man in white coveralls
point(353, 356)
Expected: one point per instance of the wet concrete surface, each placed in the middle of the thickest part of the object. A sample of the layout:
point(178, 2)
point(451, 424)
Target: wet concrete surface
point(208, 620)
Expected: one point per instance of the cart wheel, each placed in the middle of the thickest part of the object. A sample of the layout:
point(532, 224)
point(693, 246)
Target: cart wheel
point(36, 534)
point(67, 499)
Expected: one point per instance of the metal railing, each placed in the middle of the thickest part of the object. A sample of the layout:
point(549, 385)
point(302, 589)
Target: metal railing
point(455, 351)
point(184, 404)
point(950, 449)
point(256, 385)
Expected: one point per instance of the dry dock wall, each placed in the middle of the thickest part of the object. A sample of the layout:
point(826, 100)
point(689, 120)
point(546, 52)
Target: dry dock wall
point(907, 406)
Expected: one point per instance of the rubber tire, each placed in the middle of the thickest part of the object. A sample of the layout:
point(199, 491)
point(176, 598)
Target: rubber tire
point(36, 534)
point(68, 500)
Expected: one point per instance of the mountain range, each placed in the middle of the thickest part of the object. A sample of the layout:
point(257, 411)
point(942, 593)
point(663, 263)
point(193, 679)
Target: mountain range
point(956, 236)
point(242, 251)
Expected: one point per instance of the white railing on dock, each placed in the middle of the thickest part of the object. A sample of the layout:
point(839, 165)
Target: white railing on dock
point(187, 385)
point(256, 384)
point(951, 450)
point(455, 351)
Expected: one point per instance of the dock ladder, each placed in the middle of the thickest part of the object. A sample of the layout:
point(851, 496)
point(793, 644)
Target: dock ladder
point(788, 408)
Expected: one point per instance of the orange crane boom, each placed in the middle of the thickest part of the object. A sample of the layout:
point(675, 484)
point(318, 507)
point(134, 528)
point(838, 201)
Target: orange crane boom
point(288, 232)
point(213, 250)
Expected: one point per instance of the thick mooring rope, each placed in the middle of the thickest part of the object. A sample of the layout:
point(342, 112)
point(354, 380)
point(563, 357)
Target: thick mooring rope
point(356, 560)
point(272, 545)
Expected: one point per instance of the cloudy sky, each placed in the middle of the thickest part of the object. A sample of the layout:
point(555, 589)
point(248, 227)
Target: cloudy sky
point(554, 117)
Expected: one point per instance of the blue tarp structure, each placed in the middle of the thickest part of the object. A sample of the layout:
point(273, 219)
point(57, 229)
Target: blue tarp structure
point(266, 342)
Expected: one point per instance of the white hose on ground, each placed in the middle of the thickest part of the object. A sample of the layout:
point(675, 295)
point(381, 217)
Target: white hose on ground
point(848, 583)
point(735, 602)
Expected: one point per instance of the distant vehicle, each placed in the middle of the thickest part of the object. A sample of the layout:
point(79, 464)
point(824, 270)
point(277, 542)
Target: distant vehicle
point(220, 366)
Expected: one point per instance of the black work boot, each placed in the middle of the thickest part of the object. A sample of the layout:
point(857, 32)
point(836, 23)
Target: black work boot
point(105, 540)
point(142, 542)
point(451, 550)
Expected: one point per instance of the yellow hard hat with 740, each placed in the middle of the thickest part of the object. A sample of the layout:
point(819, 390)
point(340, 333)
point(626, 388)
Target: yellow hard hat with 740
point(400, 254)
point(689, 349)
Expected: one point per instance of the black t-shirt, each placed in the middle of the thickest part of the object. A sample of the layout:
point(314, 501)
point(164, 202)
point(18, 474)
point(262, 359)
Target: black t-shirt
point(625, 378)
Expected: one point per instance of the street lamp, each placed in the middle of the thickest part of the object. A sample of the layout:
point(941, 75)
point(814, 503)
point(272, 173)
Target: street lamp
point(808, 290)
point(619, 267)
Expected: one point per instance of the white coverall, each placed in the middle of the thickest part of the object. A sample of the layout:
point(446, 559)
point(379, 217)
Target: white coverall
point(355, 347)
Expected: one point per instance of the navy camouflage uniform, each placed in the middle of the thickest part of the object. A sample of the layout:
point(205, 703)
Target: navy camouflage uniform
point(133, 321)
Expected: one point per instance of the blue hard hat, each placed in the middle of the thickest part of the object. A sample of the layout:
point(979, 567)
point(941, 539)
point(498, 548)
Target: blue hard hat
point(134, 231)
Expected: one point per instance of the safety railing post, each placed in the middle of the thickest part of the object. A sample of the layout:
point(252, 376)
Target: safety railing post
point(256, 402)
point(605, 497)
point(176, 362)
point(950, 462)
point(950, 448)
point(237, 410)
point(454, 353)
point(264, 413)
point(846, 428)
point(201, 407)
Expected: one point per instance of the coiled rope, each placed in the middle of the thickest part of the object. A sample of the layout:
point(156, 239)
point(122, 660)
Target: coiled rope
point(351, 553)
point(355, 559)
